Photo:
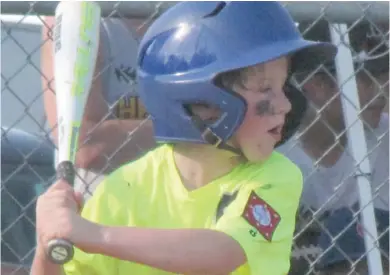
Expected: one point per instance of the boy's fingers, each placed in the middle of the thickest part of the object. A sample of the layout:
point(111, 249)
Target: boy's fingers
point(79, 199)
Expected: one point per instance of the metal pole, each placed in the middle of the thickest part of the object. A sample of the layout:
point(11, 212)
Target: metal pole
point(338, 12)
point(357, 143)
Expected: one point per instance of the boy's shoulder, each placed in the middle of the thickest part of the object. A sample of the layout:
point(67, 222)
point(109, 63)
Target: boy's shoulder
point(277, 169)
point(277, 162)
point(147, 163)
point(135, 173)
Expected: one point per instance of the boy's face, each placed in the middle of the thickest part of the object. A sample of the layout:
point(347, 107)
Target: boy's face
point(262, 88)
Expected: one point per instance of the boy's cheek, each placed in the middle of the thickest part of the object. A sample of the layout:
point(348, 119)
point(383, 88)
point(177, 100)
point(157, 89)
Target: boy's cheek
point(250, 132)
point(253, 124)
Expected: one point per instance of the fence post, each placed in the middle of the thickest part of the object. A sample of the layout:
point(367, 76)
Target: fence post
point(357, 143)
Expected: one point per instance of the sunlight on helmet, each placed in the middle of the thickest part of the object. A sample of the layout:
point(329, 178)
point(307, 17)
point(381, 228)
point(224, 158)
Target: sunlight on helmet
point(183, 30)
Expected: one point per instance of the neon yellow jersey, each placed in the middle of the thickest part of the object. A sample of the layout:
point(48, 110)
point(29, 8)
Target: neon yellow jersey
point(255, 204)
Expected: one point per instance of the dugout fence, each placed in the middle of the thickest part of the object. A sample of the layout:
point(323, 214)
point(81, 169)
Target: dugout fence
point(340, 16)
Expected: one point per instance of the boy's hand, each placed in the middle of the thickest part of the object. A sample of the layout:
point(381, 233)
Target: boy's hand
point(58, 216)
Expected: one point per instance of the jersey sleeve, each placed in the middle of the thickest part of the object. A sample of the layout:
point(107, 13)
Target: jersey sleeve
point(262, 221)
point(103, 207)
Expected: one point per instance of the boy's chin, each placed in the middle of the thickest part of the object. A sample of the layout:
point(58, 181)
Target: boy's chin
point(258, 154)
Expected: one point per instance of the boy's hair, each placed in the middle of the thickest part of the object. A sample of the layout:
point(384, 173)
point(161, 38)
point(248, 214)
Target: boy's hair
point(227, 81)
point(239, 77)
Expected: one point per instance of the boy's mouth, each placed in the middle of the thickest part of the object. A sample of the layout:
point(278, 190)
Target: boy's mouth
point(276, 133)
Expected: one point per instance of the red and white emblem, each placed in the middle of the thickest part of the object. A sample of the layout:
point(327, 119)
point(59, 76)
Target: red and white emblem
point(261, 215)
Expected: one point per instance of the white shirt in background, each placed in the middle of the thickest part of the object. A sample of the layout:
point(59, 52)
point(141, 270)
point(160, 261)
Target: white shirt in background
point(336, 187)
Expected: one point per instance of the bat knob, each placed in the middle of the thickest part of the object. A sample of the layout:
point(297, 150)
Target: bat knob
point(60, 251)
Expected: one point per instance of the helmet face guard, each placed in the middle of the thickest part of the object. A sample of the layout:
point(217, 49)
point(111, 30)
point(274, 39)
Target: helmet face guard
point(193, 42)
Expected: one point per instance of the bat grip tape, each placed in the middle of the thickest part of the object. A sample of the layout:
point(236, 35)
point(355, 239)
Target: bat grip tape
point(61, 251)
point(66, 171)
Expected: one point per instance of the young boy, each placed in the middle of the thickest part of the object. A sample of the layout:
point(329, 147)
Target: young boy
point(215, 198)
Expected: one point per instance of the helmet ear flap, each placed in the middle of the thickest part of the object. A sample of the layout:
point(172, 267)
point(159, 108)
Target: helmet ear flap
point(294, 117)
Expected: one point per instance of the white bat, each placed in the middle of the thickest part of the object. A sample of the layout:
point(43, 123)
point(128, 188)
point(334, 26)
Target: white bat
point(76, 43)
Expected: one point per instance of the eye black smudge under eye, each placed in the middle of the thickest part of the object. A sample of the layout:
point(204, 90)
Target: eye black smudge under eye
point(264, 107)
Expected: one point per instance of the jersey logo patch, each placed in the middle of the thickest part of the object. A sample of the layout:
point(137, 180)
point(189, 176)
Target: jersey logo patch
point(261, 216)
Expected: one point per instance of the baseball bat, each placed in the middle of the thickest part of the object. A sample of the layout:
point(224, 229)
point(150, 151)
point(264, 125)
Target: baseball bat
point(76, 43)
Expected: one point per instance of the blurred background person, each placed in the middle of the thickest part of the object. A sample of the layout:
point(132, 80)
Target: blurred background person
point(113, 112)
point(320, 150)
point(26, 166)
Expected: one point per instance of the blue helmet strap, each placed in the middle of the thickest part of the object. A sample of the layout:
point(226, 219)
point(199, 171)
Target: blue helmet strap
point(210, 137)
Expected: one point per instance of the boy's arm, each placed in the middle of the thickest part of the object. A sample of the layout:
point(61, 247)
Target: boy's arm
point(184, 251)
point(244, 234)
point(234, 240)
point(42, 266)
point(101, 208)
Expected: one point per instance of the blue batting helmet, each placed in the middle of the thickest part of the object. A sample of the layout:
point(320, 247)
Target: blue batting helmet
point(193, 42)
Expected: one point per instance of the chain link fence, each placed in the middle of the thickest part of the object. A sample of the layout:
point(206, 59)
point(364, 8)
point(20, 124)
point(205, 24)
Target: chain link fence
point(341, 146)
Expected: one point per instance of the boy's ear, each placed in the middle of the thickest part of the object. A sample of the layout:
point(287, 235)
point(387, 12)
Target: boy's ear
point(204, 111)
